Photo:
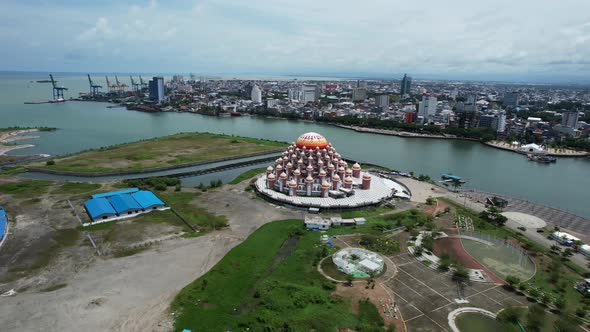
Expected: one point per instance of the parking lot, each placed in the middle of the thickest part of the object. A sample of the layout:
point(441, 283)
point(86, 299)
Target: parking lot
point(425, 297)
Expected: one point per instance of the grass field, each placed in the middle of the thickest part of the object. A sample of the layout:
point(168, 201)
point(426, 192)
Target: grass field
point(76, 188)
point(247, 175)
point(163, 151)
point(268, 283)
point(25, 189)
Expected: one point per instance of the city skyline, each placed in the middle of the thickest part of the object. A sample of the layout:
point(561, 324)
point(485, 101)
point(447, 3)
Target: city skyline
point(499, 41)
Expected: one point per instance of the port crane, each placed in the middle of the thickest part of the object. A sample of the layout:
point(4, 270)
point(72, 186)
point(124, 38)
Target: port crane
point(58, 91)
point(134, 85)
point(109, 85)
point(142, 83)
point(93, 87)
point(120, 86)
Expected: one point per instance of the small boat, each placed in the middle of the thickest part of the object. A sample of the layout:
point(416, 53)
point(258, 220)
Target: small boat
point(235, 114)
point(542, 158)
point(450, 178)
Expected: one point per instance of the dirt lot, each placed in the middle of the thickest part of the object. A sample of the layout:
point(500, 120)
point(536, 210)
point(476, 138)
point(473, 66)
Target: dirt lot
point(76, 290)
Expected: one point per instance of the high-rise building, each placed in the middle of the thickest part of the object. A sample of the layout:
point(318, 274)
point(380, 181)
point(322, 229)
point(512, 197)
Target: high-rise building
point(382, 101)
point(410, 117)
point(471, 104)
point(271, 102)
point(569, 119)
point(156, 89)
point(427, 106)
point(246, 91)
point(405, 86)
point(511, 99)
point(309, 93)
point(359, 94)
point(256, 94)
point(495, 121)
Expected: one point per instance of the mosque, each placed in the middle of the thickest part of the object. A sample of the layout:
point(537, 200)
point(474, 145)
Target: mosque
point(311, 172)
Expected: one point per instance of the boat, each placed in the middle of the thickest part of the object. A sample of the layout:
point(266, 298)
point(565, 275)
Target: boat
point(450, 178)
point(544, 159)
point(235, 114)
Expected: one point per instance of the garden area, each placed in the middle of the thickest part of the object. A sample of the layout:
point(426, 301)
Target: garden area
point(270, 282)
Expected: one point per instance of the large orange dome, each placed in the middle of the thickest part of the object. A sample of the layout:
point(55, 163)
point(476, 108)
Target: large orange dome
point(311, 141)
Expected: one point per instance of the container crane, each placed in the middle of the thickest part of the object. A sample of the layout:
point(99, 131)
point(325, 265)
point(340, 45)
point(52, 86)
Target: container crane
point(93, 87)
point(109, 85)
point(58, 91)
point(120, 86)
point(142, 83)
point(134, 85)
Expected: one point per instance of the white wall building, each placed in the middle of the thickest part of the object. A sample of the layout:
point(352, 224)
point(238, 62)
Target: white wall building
point(256, 95)
point(427, 106)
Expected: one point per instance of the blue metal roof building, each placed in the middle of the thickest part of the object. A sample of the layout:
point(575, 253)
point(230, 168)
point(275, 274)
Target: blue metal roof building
point(99, 208)
point(3, 222)
point(118, 192)
point(124, 203)
point(147, 199)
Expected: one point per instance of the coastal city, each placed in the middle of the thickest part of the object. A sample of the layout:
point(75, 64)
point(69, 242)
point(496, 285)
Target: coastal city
point(554, 117)
point(323, 166)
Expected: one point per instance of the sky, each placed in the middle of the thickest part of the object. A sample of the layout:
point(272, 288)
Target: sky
point(514, 40)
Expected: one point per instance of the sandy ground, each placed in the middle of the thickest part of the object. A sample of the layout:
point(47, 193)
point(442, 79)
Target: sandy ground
point(134, 293)
point(15, 135)
point(421, 190)
point(525, 220)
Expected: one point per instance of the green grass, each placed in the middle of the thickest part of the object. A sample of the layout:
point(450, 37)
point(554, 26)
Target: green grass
point(26, 189)
point(75, 188)
point(252, 288)
point(13, 170)
point(547, 325)
point(366, 212)
point(247, 175)
point(369, 313)
point(163, 151)
point(197, 216)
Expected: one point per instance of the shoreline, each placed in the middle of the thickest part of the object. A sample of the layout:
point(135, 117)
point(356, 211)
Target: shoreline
point(574, 154)
point(15, 135)
point(405, 134)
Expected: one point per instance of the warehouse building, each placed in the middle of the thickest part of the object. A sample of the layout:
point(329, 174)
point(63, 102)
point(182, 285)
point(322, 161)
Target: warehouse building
point(121, 204)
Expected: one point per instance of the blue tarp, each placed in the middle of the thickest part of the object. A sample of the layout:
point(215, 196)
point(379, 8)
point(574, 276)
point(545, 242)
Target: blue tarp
point(99, 207)
point(2, 212)
point(147, 199)
point(118, 192)
point(124, 203)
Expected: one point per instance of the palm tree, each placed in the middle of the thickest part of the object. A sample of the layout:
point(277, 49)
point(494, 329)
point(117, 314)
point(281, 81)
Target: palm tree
point(456, 184)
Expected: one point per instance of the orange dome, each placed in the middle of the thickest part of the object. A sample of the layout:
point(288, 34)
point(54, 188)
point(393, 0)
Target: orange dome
point(311, 141)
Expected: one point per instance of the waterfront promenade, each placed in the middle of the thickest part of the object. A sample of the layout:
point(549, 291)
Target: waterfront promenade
point(554, 217)
point(550, 151)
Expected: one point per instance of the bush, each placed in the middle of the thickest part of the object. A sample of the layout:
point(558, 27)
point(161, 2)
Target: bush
point(50, 162)
point(509, 315)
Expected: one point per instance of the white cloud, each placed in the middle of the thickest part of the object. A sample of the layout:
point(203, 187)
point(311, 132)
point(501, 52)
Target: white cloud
point(444, 38)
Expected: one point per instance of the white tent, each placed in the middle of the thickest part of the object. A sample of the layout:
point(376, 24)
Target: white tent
point(532, 148)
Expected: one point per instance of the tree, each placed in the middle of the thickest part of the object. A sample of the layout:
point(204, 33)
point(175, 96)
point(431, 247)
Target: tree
point(568, 252)
point(508, 315)
point(535, 317)
point(461, 274)
point(512, 281)
point(418, 251)
point(349, 280)
point(456, 183)
point(560, 303)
